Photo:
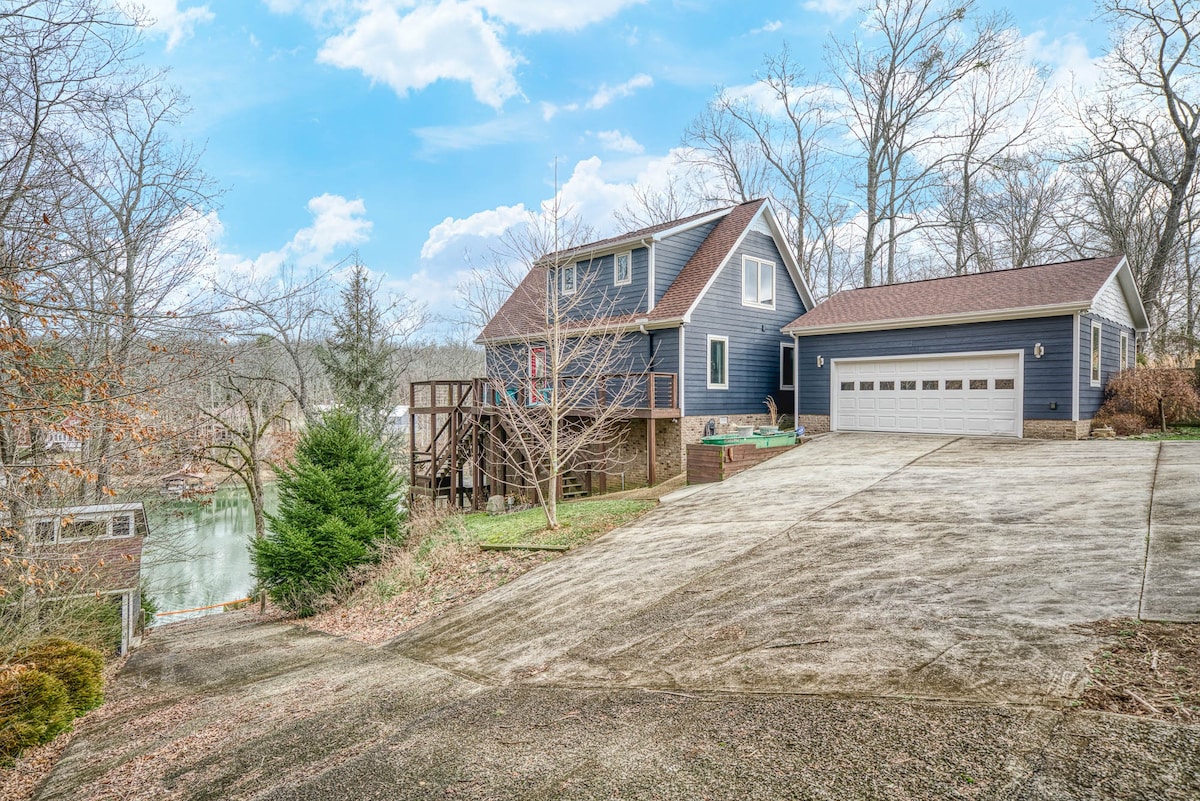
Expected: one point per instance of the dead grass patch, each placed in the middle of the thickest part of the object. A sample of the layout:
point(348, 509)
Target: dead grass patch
point(1148, 669)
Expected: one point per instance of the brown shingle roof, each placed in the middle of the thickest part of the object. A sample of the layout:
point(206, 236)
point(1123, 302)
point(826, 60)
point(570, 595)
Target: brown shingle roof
point(641, 233)
point(523, 312)
point(707, 259)
point(1060, 284)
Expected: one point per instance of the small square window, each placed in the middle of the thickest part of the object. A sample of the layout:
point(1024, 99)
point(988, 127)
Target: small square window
point(979, 383)
point(953, 383)
point(866, 385)
point(1005, 383)
point(847, 386)
point(122, 526)
point(908, 385)
point(622, 269)
point(887, 385)
point(926, 385)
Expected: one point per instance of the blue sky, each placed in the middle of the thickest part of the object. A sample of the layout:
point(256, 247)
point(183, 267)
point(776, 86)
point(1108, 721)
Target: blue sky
point(414, 130)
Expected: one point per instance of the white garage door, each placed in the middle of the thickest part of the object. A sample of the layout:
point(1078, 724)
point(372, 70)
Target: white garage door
point(977, 394)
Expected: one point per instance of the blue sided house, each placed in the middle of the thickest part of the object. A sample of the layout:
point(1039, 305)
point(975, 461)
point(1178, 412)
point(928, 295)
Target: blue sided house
point(699, 303)
point(712, 316)
point(1021, 353)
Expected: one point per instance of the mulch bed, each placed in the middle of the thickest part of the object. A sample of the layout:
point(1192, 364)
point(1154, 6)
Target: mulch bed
point(1148, 669)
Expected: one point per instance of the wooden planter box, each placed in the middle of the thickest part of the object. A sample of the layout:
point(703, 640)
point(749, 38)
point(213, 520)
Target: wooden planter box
point(709, 463)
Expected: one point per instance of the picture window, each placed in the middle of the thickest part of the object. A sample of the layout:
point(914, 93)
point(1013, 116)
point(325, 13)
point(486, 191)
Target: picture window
point(787, 366)
point(569, 279)
point(847, 386)
point(979, 383)
point(866, 385)
point(908, 385)
point(1096, 354)
point(886, 385)
point(929, 385)
point(954, 383)
point(1005, 383)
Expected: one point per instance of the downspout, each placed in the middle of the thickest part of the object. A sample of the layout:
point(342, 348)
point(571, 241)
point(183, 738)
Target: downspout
point(795, 379)
point(650, 275)
point(1075, 366)
point(681, 382)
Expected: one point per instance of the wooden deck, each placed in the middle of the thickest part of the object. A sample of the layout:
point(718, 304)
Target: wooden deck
point(458, 442)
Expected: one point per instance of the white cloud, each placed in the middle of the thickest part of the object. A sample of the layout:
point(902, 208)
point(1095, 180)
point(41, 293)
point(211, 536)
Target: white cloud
point(489, 223)
point(619, 142)
point(438, 138)
point(446, 41)
point(770, 27)
point(166, 18)
point(838, 9)
point(1068, 58)
point(411, 44)
point(607, 94)
point(542, 15)
point(337, 225)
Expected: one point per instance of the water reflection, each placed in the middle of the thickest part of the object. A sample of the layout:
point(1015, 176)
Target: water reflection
point(197, 554)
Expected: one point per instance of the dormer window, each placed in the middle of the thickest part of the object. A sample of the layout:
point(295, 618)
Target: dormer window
point(623, 268)
point(758, 283)
point(568, 279)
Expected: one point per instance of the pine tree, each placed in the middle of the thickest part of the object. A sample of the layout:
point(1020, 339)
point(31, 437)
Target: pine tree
point(337, 500)
point(357, 358)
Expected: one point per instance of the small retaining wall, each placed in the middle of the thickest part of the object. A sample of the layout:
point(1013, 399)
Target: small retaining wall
point(710, 463)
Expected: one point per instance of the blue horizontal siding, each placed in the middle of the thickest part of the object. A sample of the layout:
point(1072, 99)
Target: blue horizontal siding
point(1091, 398)
point(673, 252)
point(598, 294)
point(1047, 380)
point(753, 333)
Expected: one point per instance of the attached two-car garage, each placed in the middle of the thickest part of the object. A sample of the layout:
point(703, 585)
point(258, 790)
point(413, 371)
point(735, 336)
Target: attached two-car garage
point(954, 394)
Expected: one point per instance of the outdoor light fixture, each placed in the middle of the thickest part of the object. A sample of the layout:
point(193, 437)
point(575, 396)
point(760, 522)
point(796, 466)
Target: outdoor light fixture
point(1038, 350)
point(820, 361)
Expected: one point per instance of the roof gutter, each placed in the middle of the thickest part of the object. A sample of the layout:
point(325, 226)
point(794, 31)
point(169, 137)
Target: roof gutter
point(642, 325)
point(1054, 310)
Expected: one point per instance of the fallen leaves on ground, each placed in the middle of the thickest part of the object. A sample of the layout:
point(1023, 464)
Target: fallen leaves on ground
point(1150, 670)
point(453, 582)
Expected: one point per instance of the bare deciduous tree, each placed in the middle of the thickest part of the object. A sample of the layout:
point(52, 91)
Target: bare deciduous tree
point(1151, 117)
point(896, 84)
point(563, 383)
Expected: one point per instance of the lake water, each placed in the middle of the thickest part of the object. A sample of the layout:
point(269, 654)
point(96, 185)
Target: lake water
point(197, 553)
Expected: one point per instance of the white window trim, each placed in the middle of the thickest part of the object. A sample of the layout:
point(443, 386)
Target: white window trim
point(708, 361)
point(1095, 354)
point(57, 537)
point(783, 346)
point(616, 276)
point(562, 282)
point(1125, 360)
point(742, 288)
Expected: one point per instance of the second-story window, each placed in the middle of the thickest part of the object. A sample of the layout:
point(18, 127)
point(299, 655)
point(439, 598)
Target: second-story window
point(758, 283)
point(568, 279)
point(622, 268)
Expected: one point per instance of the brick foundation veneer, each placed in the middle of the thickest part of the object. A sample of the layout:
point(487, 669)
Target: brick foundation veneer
point(1057, 429)
point(814, 423)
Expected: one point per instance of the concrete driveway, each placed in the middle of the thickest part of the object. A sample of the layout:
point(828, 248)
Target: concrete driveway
point(898, 566)
point(808, 630)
